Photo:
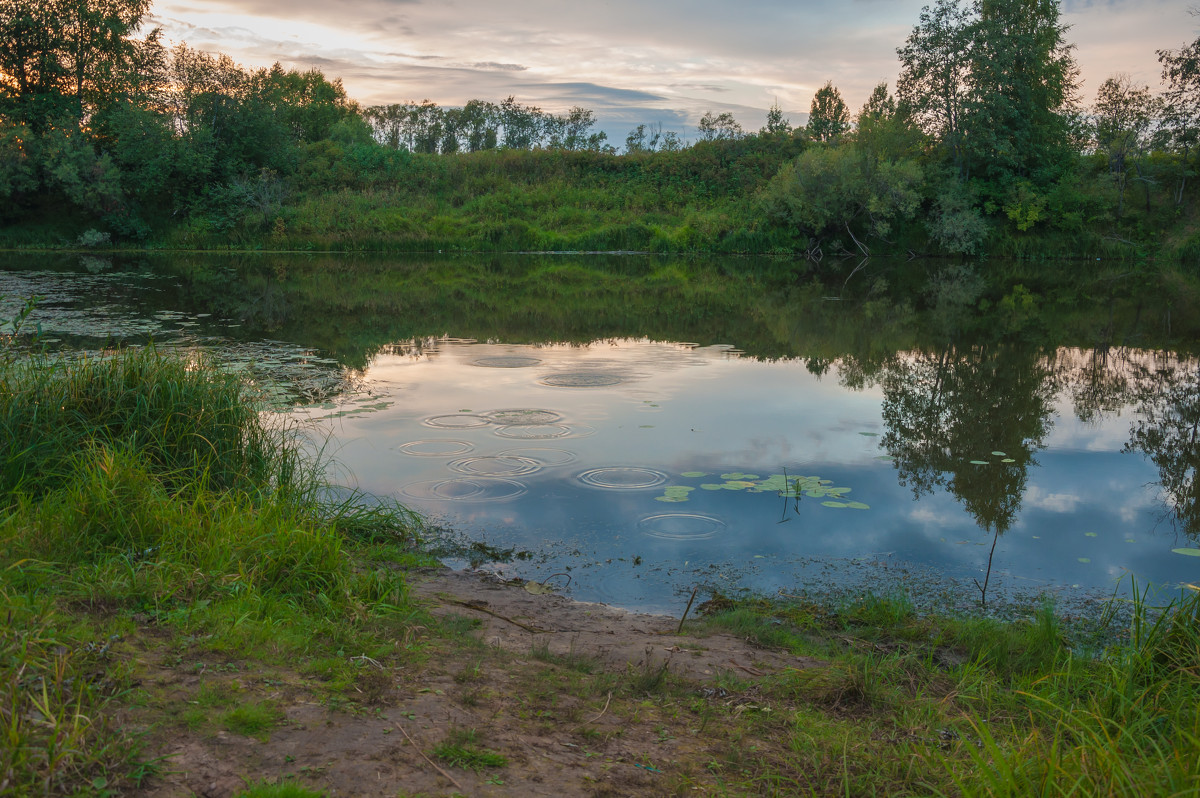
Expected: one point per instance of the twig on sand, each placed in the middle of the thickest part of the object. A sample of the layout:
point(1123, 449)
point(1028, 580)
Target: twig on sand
point(687, 610)
point(471, 606)
point(427, 759)
point(593, 720)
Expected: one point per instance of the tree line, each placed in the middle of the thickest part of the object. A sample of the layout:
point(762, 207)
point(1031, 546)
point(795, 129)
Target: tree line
point(986, 133)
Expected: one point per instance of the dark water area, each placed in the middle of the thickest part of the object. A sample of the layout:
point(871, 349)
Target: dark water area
point(650, 425)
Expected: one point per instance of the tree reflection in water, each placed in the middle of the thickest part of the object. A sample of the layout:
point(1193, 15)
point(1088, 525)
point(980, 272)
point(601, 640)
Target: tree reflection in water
point(944, 409)
point(1168, 433)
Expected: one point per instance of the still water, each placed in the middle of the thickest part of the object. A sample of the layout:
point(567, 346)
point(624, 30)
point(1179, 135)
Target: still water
point(642, 466)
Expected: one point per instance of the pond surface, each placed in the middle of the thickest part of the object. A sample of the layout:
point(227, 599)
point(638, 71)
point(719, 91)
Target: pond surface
point(801, 444)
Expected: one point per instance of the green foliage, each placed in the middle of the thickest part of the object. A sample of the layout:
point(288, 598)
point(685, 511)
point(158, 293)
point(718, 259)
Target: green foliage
point(281, 789)
point(54, 687)
point(828, 116)
point(460, 750)
point(187, 422)
point(832, 191)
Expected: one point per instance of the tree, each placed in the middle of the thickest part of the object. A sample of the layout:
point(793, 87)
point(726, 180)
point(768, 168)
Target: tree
point(1023, 91)
point(776, 125)
point(477, 124)
point(305, 102)
point(1181, 113)
point(995, 83)
point(829, 192)
point(719, 127)
point(524, 125)
point(882, 131)
point(828, 117)
point(935, 63)
point(1122, 116)
point(66, 57)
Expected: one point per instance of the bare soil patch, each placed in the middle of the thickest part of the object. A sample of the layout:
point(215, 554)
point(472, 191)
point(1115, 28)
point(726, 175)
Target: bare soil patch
point(579, 699)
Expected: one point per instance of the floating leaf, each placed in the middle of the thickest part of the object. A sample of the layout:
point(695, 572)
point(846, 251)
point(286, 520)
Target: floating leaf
point(1008, 460)
point(670, 498)
point(538, 588)
point(869, 434)
point(834, 504)
point(1089, 534)
point(1084, 560)
point(711, 486)
point(1188, 552)
point(999, 454)
point(858, 506)
point(739, 484)
point(980, 462)
point(693, 474)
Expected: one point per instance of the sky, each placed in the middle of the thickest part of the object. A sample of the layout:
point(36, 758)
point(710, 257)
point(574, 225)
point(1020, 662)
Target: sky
point(631, 61)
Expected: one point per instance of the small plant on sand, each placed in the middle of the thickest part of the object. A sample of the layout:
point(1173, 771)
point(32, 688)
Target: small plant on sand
point(460, 750)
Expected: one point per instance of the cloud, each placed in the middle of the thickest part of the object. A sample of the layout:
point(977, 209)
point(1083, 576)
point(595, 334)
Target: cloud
point(492, 65)
point(668, 60)
point(1051, 502)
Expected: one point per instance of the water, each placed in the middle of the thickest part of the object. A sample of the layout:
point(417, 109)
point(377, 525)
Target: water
point(644, 467)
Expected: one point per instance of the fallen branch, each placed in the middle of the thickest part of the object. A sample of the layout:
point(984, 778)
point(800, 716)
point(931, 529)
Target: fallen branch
point(427, 759)
point(470, 606)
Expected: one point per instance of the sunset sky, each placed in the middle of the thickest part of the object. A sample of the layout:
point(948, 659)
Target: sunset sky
point(631, 61)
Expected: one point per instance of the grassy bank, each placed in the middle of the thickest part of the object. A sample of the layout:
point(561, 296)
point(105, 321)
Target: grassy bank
point(719, 196)
point(144, 497)
point(176, 578)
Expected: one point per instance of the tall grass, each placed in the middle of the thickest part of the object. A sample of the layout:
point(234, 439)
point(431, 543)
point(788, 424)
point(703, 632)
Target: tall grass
point(1125, 725)
point(147, 484)
point(190, 422)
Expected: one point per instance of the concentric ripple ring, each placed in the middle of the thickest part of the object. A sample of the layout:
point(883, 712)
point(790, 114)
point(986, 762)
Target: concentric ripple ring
point(495, 466)
point(435, 448)
point(466, 489)
point(534, 432)
point(681, 526)
point(456, 421)
point(622, 478)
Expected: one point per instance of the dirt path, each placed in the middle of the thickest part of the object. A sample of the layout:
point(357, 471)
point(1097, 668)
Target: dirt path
point(579, 699)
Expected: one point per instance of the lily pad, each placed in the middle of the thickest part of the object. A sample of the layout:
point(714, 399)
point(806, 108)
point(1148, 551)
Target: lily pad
point(693, 474)
point(980, 462)
point(711, 486)
point(869, 434)
point(739, 484)
point(999, 454)
point(670, 498)
point(1089, 534)
point(1190, 552)
point(1008, 460)
point(858, 506)
point(834, 504)
point(1084, 560)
